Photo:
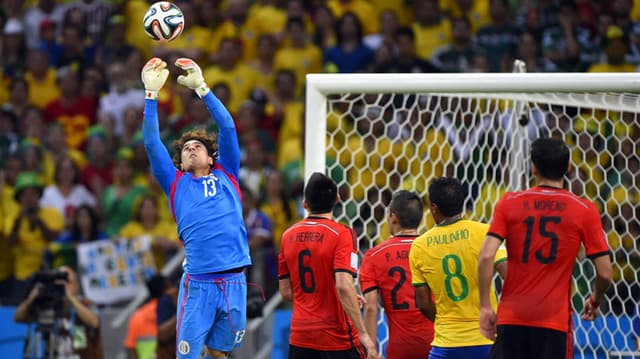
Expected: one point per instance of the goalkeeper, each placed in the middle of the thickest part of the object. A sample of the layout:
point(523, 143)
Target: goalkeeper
point(202, 185)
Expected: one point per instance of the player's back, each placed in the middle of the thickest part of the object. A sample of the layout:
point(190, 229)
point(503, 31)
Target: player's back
point(311, 252)
point(543, 229)
point(447, 258)
point(386, 268)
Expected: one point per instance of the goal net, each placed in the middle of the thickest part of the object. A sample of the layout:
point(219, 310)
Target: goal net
point(385, 132)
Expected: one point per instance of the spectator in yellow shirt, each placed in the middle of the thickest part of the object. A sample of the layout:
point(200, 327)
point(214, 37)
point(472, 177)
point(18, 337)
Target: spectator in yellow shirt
point(301, 56)
point(6, 259)
point(615, 49)
point(365, 12)
point(236, 25)
point(263, 64)
point(147, 222)
point(30, 229)
point(42, 77)
point(431, 29)
point(240, 77)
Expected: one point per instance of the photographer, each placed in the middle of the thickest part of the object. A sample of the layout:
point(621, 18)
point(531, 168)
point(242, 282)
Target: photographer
point(30, 229)
point(71, 329)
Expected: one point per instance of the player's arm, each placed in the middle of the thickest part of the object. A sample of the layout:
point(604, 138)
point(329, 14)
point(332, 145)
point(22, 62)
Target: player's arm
point(371, 313)
point(349, 298)
point(419, 281)
point(425, 304)
point(284, 277)
point(596, 249)
point(602, 263)
point(369, 286)
point(500, 261)
point(345, 270)
point(485, 276)
point(228, 145)
point(154, 75)
point(284, 286)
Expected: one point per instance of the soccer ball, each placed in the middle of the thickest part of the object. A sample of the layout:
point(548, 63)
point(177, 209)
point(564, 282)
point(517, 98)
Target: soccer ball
point(163, 21)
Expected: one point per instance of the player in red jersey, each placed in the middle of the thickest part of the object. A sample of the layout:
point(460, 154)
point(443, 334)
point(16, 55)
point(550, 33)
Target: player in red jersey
point(385, 271)
point(318, 262)
point(544, 228)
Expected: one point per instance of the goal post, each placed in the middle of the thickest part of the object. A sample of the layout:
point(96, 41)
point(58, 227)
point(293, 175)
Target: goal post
point(377, 133)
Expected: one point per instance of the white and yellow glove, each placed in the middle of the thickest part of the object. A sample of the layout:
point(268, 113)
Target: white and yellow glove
point(154, 75)
point(193, 79)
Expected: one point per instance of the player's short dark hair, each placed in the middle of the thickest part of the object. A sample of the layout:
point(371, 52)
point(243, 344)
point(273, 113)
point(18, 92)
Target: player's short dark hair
point(551, 157)
point(408, 207)
point(447, 193)
point(321, 193)
point(210, 141)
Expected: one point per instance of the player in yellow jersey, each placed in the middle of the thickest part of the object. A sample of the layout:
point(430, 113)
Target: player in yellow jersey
point(444, 263)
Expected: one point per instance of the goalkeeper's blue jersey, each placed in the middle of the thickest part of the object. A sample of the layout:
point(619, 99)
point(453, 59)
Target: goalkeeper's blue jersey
point(208, 210)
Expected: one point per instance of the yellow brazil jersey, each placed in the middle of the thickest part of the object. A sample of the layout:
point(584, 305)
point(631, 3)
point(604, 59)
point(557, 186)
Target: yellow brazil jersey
point(291, 132)
point(363, 10)
point(241, 80)
point(9, 205)
point(293, 120)
point(478, 14)
point(6, 259)
point(635, 10)
point(429, 38)
point(244, 32)
point(267, 19)
point(264, 78)
point(604, 67)
point(4, 89)
point(301, 61)
point(47, 89)
point(29, 250)
point(446, 259)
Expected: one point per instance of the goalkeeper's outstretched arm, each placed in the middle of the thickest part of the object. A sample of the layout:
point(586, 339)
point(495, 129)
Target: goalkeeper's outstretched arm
point(154, 76)
point(228, 145)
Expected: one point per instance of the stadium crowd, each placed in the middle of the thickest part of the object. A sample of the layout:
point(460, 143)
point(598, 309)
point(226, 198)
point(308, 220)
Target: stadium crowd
point(72, 161)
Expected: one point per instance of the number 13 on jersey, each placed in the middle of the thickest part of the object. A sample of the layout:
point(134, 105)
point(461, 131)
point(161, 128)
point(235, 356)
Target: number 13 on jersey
point(209, 186)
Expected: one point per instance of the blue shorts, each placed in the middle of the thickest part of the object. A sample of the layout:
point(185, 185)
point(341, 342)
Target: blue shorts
point(212, 312)
point(471, 352)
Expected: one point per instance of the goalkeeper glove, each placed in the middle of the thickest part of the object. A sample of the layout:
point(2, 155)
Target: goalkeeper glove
point(193, 79)
point(154, 75)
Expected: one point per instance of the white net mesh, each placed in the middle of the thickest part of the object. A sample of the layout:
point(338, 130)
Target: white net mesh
point(379, 143)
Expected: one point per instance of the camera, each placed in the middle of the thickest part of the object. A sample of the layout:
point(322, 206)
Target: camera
point(51, 292)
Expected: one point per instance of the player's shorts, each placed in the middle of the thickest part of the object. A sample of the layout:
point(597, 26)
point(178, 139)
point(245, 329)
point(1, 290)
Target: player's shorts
point(306, 353)
point(470, 352)
point(212, 312)
point(517, 341)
